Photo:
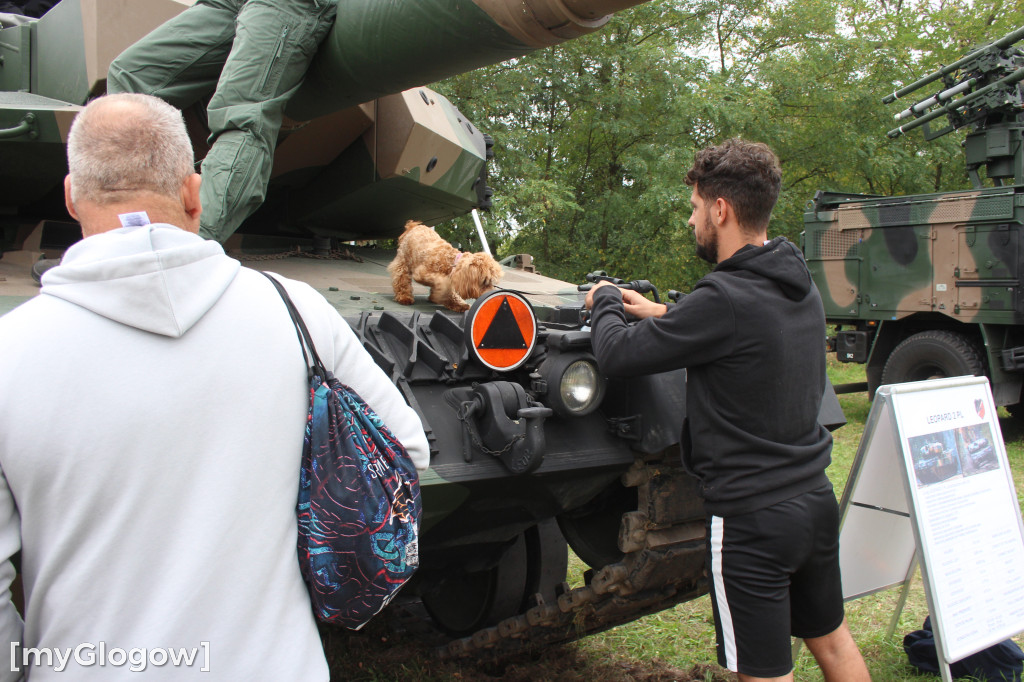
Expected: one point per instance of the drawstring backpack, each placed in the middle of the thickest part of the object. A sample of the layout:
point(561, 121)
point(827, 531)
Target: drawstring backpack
point(359, 503)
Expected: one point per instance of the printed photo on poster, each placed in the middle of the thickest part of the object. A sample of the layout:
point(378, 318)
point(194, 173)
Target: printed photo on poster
point(936, 458)
point(953, 453)
point(977, 449)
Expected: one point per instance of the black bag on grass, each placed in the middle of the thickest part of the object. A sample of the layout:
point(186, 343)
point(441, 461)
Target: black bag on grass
point(1003, 661)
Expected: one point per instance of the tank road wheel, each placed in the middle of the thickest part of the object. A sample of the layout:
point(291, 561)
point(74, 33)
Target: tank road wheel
point(933, 354)
point(548, 564)
point(536, 562)
point(593, 530)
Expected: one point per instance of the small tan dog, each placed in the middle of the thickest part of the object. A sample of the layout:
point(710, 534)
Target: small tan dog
point(451, 275)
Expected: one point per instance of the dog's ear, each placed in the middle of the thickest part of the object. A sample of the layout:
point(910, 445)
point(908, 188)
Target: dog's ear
point(475, 274)
point(496, 272)
point(464, 275)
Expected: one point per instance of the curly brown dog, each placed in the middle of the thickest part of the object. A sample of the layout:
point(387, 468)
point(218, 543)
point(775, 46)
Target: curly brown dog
point(451, 275)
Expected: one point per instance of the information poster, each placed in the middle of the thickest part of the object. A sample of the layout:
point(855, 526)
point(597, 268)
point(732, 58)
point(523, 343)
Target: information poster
point(968, 520)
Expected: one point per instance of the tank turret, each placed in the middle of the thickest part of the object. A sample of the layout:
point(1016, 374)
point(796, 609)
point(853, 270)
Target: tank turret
point(365, 148)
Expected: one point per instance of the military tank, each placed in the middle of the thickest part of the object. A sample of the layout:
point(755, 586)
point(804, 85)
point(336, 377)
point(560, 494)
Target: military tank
point(532, 449)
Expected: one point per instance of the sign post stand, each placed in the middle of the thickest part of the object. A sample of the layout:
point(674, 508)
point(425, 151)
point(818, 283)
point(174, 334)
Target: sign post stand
point(930, 484)
point(902, 601)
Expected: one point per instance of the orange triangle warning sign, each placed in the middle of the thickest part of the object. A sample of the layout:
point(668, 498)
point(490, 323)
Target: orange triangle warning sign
point(503, 331)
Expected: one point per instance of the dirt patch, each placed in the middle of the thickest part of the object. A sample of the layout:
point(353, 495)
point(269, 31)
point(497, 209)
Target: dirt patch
point(376, 653)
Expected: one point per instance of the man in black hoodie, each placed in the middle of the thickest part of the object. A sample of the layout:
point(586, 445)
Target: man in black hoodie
point(751, 337)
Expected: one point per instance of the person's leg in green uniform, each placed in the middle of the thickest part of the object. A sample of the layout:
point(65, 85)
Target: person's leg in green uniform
point(274, 42)
point(253, 55)
point(181, 60)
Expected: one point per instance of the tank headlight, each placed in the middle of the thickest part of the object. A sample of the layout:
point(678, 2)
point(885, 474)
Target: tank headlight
point(575, 387)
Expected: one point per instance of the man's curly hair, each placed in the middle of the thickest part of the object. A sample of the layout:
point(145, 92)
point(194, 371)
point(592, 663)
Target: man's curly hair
point(746, 174)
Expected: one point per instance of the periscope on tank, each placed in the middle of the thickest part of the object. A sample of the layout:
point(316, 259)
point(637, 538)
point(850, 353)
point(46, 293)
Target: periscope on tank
point(954, 453)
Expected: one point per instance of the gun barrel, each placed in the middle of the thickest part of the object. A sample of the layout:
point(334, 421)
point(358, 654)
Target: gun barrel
point(379, 47)
point(943, 96)
point(951, 107)
point(1005, 41)
point(596, 9)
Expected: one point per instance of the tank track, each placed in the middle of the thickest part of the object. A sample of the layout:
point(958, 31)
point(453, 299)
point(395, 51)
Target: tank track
point(662, 565)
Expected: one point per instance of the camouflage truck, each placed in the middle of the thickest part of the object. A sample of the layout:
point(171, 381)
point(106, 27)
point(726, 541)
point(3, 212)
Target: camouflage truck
point(532, 450)
point(932, 285)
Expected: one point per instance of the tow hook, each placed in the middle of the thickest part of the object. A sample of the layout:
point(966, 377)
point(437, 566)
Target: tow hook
point(499, 419)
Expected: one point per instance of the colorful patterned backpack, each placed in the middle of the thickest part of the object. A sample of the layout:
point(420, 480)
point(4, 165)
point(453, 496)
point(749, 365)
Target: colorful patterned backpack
point(359, 499)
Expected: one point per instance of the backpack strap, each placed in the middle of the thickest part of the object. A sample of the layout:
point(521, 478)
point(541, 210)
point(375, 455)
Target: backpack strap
point(305, 339)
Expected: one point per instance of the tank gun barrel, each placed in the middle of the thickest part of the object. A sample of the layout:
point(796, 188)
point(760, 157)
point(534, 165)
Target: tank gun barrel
point(1001, 43)
point(953, 106)
point(595, 9)
point(380, 47)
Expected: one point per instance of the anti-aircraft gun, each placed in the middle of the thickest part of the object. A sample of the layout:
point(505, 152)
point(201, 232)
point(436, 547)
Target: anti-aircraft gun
point(531, 448)
point(982, 91)
point(930, 285)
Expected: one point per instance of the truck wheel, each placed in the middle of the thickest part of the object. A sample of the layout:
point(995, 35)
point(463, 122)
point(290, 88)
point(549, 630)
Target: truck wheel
point(933, 354)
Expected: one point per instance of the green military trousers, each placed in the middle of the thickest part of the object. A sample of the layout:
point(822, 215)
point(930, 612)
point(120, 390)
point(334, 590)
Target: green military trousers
point(252, 55)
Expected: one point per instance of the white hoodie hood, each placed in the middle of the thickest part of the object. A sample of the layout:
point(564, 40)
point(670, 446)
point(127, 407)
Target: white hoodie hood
point(157, 278)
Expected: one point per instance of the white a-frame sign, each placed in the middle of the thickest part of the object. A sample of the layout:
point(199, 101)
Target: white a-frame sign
point(931, 483)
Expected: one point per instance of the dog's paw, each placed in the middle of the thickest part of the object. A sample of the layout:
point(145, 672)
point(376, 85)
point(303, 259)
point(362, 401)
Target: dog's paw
point(404, 300)
point(460, 307)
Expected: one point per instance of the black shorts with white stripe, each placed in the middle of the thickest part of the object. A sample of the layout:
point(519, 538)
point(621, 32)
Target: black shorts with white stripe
point(775, 574)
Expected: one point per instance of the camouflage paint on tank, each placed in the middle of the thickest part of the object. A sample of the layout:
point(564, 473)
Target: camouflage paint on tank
point(43, 87)
point(431, 142)
point(956, 254)
point(418, 161)
point(303, 148)
point(81, 37)
point(33, 132)
point(361, 167)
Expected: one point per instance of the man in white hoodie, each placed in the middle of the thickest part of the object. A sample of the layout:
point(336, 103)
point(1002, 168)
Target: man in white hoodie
point(152, 408)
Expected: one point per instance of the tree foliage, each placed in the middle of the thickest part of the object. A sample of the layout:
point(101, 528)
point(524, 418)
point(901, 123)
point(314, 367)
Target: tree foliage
point(594, 137)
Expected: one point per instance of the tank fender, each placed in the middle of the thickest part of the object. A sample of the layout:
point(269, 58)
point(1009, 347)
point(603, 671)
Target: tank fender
point(647, 409)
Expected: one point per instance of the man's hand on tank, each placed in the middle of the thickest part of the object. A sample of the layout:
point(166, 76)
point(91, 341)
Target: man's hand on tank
point(637, 305)
point(590, 294)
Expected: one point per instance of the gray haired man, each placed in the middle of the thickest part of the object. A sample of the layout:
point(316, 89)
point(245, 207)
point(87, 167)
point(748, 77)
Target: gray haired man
point(150, 482)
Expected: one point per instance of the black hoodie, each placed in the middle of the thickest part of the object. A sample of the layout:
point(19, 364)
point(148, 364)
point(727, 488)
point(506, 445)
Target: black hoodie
point(751, 335)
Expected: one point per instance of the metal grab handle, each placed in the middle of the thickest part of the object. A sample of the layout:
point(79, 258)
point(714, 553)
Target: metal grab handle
point(27, 126)
point(641, 285)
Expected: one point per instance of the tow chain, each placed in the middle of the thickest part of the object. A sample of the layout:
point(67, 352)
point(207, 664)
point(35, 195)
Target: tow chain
point(663, 565)
point(464, 414)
